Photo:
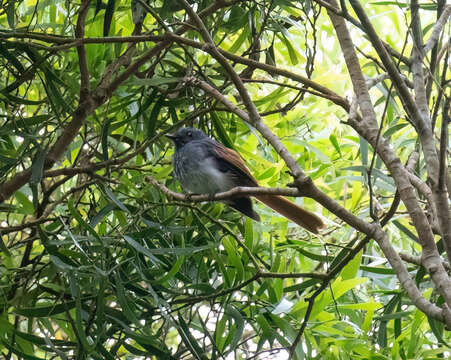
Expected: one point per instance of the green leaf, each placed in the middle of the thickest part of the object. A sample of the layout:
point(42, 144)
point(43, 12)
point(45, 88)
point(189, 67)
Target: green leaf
point(234, 258)
point(82, 336)
point(351, 268)
point(319, 154)
point(37, 340)
point(174, 270)
point(339, 287)
point(3, 247)
point(238, 42)
point(105, 133)
point(56, 257)
point(334, 142)
point(109, 11)
point(27, 205)
point(19, 353)
point(249, 234)
point(81, 221)
point(239, 322)
point(313, 256)
point(37, 169)
point(153, 118)
point(437, 328)
point(393, 129)
point(97, 218)
point(126, 304)
point(389, 308)
point(292, 53)
point(10, 13)
point(115, 200)
point(189, 340)
point(221, 133)
point(302, 286)
point(12, 60)
point(19, 100)
point(364, 151)
point(392, 316)
point(45, 310)
point(377, 270)
point(237, 19)
point(406, 231)
point(138, 247)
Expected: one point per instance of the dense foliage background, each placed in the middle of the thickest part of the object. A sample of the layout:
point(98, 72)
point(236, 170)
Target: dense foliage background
point(99, 259)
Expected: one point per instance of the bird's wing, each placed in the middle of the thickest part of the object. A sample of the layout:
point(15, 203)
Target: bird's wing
point(230, 160)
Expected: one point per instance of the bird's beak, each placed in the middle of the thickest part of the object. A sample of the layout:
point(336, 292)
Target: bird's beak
point(171, 136)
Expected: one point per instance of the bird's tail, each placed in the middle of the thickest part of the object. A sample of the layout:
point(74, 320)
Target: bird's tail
point(291, 211)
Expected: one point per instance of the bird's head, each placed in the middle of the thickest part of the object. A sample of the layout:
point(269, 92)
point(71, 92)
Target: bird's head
point(185, 135)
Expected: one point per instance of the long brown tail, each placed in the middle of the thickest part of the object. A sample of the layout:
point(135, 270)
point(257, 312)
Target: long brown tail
point(293, 212)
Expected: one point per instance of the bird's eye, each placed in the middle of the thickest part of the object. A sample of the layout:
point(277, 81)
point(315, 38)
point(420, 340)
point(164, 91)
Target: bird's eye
point(190, 134)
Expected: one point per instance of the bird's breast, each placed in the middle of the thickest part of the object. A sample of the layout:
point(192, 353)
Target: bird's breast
point(199, 172)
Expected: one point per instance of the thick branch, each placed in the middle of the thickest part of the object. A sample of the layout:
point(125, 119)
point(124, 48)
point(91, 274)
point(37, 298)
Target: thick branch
point(408, 283)
point(368, 129)
point(431, 257)
point(218, 96)
point(440, 191)
point(387, 61)
point(440, 195)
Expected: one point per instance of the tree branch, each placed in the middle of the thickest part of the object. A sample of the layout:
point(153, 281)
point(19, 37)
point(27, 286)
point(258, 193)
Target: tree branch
point(438, 27)
point(83, 64)
point(235, 192)
point(368, 129)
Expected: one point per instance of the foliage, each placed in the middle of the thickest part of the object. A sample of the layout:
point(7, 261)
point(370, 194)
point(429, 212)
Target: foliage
point(99, 263)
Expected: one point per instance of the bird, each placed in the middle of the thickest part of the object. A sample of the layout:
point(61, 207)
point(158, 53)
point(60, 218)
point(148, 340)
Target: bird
point(205, 166)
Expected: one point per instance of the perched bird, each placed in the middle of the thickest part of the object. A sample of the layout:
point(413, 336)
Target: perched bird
point(205, 166)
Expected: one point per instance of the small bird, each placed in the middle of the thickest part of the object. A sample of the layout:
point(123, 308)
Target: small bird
point(205, 166)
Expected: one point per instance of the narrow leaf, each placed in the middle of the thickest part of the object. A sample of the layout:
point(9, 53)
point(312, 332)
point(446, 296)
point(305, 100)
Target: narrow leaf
point(109, 11)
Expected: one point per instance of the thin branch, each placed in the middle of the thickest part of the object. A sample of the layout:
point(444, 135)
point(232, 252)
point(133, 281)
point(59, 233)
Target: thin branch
point(195, 299)
point(235, 192)
point(9, 229)
point(328, 96)
point(83, 64)
point(438, 27)
point(218, 96)
point(407, 257)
